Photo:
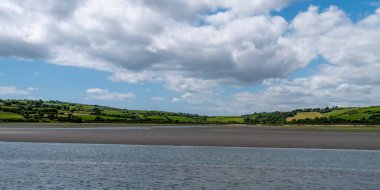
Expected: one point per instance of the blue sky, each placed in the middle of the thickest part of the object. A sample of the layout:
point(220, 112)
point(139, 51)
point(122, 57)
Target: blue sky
point(64, 83)
point(356, 10)
point(252, 56)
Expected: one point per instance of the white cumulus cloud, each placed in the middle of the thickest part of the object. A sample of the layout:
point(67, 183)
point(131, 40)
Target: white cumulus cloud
point(11, 90)
point(157, 98)
point(104, 94)
point(197, 49)
point(350, 76)
point(139, 41)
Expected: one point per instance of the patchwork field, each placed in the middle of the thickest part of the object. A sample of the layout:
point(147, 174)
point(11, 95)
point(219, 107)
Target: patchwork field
point(348, 115)
point(56, 111)
point(304, 115)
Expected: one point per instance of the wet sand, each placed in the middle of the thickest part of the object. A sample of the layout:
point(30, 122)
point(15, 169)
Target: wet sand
point(235, 136)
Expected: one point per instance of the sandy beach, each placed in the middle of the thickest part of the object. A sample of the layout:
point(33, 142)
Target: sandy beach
point(236, 136)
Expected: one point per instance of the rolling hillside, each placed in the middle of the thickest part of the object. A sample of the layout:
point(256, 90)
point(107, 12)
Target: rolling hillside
point(335, 115)
point(304, 115)
point(56, 111)
point(10, 115)
point(342, 115)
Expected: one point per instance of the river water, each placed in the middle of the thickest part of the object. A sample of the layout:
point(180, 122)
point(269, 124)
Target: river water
point(95, 166)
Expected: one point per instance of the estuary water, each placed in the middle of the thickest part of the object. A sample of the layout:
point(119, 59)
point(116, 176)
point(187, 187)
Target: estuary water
point(95, 166)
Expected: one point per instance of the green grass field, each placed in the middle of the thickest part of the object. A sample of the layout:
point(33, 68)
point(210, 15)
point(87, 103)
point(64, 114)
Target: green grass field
point(357, 113)
point(182, 119)
point(338, 112)
point(225, 119)
point(113, 112)
point(9, 115)
point(349, 114)
point(357, 116)
point(92, 118)
point(86, 118)
point(156, 118)
point(56, 111)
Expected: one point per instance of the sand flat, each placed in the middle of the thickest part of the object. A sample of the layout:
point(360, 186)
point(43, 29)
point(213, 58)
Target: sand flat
point(236, 136)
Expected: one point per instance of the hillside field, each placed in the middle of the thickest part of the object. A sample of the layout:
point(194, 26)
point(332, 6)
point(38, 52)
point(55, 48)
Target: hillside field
point(226, 119)
point(342, 115)
point(10, 115)
point(56, 111)
point(304, 115)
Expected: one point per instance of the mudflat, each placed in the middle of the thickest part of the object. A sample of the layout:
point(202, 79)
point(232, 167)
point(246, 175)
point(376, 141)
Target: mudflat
point(232, 136)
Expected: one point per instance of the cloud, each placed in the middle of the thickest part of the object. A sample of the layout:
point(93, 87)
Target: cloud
point(31, 89)
point(141, 41)
point(174, 100)
point(34, 98)
point(11, 90)
point(192, 90)
point(157, 98)
point(285, 95)
point(349, 76)
point(196, 50)
point(374, 3)
point(103, 94)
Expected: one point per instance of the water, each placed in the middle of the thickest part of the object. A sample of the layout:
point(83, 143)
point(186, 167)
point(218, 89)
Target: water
point(93, 166)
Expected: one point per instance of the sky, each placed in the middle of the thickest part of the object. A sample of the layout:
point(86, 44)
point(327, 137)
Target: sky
point(212, 57)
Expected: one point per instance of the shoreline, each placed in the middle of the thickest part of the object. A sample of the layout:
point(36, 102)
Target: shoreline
point(94, 125)
point(225, 136)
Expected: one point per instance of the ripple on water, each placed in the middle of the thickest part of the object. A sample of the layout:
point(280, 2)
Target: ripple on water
point(86, 166)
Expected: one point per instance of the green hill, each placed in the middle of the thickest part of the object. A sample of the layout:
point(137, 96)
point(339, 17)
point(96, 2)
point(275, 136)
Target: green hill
point(335, 115)
point(9, 115)
point(304, 115)
point(56, 111)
